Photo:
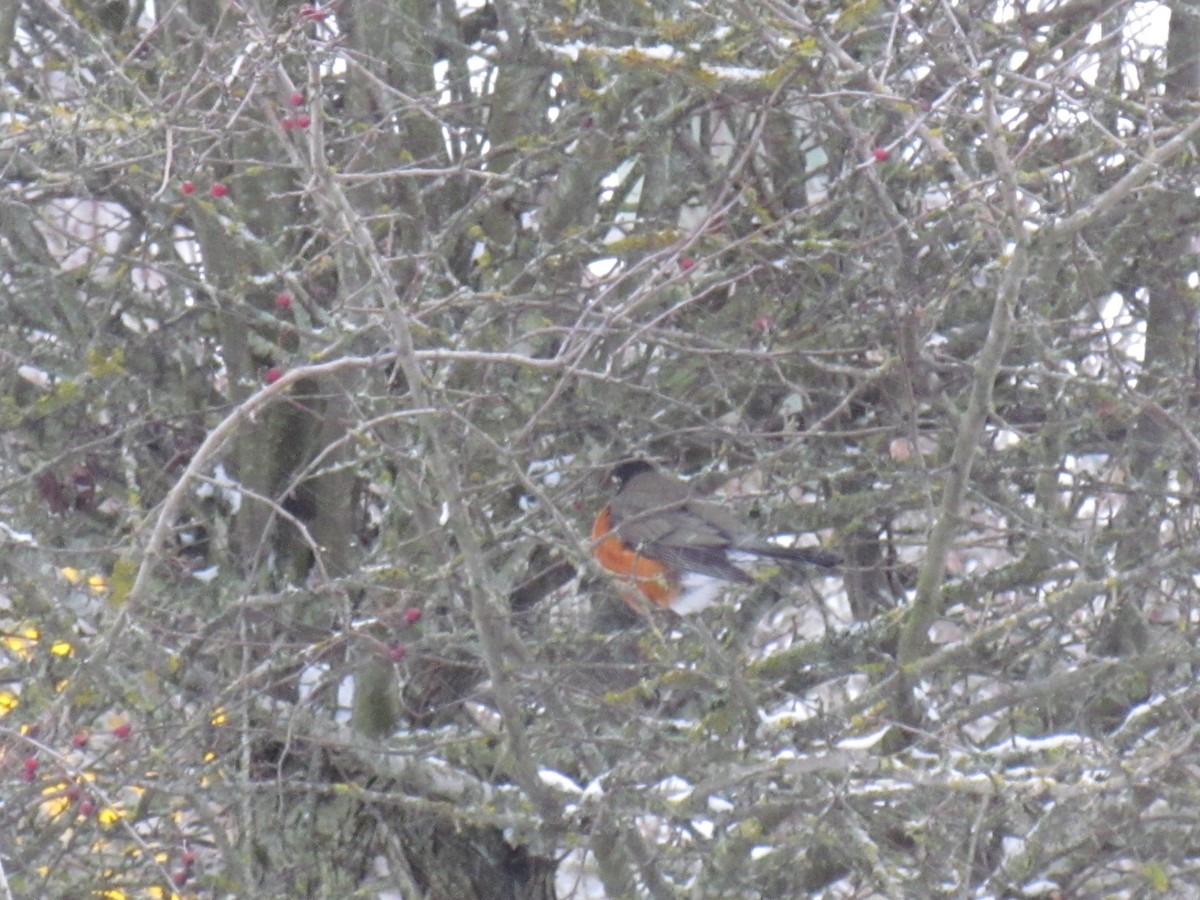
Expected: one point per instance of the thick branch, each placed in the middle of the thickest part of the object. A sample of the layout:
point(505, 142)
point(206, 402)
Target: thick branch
point(914, 639)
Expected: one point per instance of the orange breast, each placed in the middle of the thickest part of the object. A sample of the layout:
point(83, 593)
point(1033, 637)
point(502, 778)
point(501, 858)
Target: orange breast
point(647, 575)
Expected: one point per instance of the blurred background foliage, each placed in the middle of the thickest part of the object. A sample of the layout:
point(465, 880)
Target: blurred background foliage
point(321, 326)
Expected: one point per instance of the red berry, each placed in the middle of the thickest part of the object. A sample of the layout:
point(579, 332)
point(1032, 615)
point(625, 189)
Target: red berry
point(188, 188)
point(188, 858)
point(686, 262)
point(29, 774)
point(764, 323)
point(79, 739)
point(123, 730)
point(272, 375)
point(31, 764)
point(288, 123)
point(397, 652)
point(283, 301)
point(86, 807)
point(303, 121)
point(412, 615)
point(296, 98)
point(219, 189)
point(180, 878)
point(881, 154)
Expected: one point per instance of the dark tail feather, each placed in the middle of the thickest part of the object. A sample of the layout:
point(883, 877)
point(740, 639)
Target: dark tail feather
point(811, 555)
point(703, 560)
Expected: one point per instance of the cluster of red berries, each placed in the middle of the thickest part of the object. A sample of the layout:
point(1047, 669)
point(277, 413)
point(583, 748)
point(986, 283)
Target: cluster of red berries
point(291, 123)
point(301, 121)
point(283, 302)
point(187, 860)
point(216, 189)
point(396, 650)
point(74, 793)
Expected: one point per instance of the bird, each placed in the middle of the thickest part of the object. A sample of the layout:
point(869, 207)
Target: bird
point(673, 549)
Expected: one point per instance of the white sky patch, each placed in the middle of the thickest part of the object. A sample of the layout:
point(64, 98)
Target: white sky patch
point(604, 268)
point(577, 877)
point(11, 535)
point(1129, 332)
point(864, 741)
point(206, 576)
point(674, 788)
point(229, 489)
point(559, 782)
point(735, 73)
point(660, 51)
point(1005, 438)
point(720, 805)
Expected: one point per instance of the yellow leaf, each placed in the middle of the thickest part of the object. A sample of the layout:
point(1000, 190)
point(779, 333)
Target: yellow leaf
point(1157, 876)
point(121, 579)
point(21, 643)
point(852, 17)
point(108, 816)
point(100, 365)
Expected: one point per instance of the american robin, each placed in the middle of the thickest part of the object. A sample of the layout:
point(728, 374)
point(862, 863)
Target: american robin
point(674, 549)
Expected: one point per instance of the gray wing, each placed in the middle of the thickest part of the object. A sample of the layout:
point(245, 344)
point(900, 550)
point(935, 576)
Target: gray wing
point(685, 534)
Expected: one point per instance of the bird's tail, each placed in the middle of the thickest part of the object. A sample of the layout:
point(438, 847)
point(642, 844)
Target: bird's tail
point(811, 555)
